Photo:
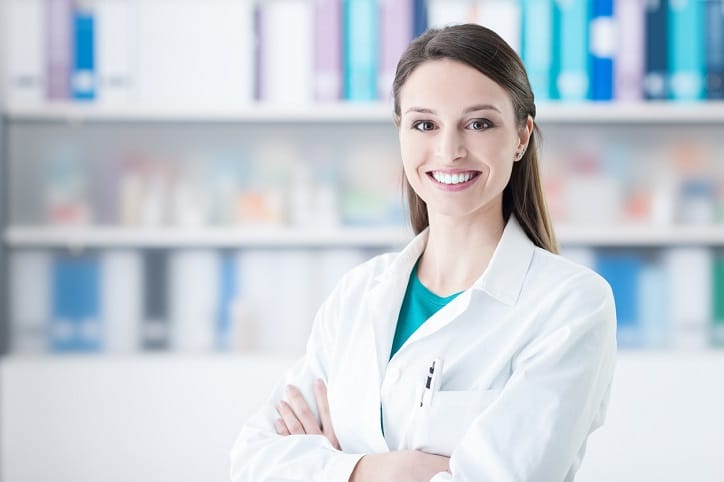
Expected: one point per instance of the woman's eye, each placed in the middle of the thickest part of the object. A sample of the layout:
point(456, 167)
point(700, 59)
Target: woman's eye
point(423, 125)
point(480, 124)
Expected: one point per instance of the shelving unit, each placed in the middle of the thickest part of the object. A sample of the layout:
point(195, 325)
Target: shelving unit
point(309, 126)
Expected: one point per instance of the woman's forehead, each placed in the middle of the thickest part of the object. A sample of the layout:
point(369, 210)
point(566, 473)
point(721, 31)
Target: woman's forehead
point(450, 84)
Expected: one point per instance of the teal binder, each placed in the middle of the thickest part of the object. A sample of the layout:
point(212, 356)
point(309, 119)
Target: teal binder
point(361, 47)
point(686, 49)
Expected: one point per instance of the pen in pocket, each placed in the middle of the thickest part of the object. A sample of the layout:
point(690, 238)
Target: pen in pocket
point(432, 382)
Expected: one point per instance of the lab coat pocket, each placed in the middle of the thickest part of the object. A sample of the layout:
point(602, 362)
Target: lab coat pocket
point(439, 427)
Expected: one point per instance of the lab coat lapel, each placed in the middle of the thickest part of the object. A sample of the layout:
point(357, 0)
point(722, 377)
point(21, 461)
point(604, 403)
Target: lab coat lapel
point(385, 299)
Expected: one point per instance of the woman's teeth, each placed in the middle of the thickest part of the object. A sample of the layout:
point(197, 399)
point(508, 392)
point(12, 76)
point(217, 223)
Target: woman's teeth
point(457, 178)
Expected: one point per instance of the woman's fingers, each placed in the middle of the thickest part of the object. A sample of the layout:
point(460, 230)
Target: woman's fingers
point(302, 411)
point(281, 427)
point(320, 393)
point(294, 426)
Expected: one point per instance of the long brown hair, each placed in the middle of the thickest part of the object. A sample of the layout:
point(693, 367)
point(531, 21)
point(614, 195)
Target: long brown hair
point(485, 51)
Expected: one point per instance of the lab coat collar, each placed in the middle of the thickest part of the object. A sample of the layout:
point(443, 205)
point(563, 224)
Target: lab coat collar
point(503, 278)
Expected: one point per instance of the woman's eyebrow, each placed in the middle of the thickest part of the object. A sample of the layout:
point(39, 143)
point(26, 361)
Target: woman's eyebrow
point(481, 107)
point(473, 108)
point(422, 110)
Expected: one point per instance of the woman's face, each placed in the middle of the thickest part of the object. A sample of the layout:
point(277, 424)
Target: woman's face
point(458, 138)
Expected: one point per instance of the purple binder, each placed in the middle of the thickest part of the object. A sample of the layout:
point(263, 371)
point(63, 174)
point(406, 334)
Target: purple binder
point(328, 50)
point(58, 14)
point(396, 30)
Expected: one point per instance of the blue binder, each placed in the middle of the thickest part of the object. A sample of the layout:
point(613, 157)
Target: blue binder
point(419, 20)
point(686, 49)
point(622, 271)
point(602, 51)
point(227, 292)
point(83, 79)
point(715, 49)
point(656, 81)
point(75, 322)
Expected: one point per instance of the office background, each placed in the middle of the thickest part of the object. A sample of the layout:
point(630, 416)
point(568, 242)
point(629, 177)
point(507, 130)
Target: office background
point(182, 182)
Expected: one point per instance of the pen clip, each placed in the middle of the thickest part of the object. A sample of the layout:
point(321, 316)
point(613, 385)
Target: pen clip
point(429, 387)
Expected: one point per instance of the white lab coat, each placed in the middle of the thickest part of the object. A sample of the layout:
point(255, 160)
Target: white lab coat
point(528, 356)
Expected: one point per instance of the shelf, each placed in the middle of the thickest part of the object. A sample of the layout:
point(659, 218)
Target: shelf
point(714, 355)
point(641, 235)
point(91, 237)
point(553, 112)
point(322, 113)
point(372, 237)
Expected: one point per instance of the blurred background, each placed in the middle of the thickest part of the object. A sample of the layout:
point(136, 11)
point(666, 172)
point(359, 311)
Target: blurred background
point(182, 182)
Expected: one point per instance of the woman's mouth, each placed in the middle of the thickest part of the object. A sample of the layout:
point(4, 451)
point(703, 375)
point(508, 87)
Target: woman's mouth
point(454, 180)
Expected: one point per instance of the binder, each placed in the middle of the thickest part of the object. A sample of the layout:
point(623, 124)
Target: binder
point(30, 300)
point(26, 55)
point(227, 296)
point(286, 43)
point(116, 47)
point(689, 271)
point(361, 47)
point(83, 76)
point(714, 49)
point(656, 81)
point(504, 18)
point(194, 289)
point(327, 50)
point(58, 48)
point(622, 271)
point(537, 47)
point(155, 329)
point(121, 299)
point(573, 83)
point(76, 324)
point(630, 49)
point(603, 48)
point(686, 49)
point(717, 326)
point(419, 21)
point(652, 290)
point(396, 17)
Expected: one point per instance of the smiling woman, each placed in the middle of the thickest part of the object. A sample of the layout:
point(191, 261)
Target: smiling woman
point(476, 353)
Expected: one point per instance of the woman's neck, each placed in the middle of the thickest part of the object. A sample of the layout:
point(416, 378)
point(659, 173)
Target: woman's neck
point(458, 252)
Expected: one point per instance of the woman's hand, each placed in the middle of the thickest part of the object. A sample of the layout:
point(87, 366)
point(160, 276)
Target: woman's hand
point(297, 418)
point(400, 466)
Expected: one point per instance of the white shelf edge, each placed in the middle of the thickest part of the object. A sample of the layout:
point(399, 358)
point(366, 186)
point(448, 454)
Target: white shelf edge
point(104, 237)
point(206, 237)
point(377, 112)
point(640, 235)
point(712, 354)
point(322, 112)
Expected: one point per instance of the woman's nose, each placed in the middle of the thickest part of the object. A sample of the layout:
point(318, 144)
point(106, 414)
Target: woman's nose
point(450, 146)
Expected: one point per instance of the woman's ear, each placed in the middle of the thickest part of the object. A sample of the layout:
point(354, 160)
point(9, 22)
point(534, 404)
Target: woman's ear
point(524, 135)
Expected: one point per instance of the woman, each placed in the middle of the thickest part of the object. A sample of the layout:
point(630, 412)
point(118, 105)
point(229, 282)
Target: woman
point(476, 353)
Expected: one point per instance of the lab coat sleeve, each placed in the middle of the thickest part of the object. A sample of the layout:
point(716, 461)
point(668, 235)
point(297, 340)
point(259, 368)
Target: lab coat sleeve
point(537, 428)
point(260, 455)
